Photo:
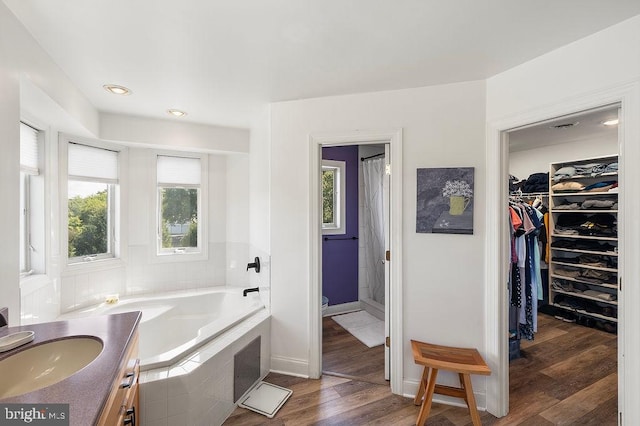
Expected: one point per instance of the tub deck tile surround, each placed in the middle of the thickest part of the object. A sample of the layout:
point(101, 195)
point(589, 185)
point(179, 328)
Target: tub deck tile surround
point(87, 390)
point(199, 388)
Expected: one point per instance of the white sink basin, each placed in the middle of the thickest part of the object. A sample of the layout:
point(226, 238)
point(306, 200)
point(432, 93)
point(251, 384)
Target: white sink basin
point(46, 364)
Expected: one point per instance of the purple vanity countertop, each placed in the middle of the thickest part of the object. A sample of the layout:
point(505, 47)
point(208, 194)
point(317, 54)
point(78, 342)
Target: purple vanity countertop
point(87, 390)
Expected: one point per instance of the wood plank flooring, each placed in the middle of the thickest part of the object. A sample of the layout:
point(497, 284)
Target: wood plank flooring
point(566, 376)
point(344, 355)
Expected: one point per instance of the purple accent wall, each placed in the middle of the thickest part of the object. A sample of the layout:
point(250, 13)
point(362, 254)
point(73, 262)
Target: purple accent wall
point(340, 257)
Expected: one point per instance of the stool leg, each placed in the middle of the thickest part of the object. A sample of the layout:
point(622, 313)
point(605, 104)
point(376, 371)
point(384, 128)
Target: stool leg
point(463, 387)
point(422, 387)
point(471, 400)
point(426, 403)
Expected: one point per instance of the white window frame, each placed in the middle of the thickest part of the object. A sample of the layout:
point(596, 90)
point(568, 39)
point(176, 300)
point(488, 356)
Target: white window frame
point(25, 222)
point(116, 195)
point(32, 216)
point(187, 253)
point(338, 227)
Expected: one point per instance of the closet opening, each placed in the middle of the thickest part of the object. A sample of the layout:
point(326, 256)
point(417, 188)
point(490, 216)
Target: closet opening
point(564, 272)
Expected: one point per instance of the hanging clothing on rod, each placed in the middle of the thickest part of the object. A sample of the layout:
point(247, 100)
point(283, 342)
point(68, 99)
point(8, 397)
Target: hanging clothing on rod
point(525, 286)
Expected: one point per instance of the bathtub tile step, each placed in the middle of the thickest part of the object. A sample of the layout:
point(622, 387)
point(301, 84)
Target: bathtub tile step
point(266, 399)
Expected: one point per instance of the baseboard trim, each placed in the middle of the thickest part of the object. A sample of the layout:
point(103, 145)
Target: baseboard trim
point(290, 366)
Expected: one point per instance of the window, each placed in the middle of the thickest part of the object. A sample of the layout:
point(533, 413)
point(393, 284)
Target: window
point(333, 197)
point(93, 200)
point(31, 202)
point(179, 210)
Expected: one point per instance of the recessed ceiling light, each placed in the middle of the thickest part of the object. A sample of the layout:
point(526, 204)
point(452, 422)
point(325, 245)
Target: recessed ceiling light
point(117, 90)
point(176, 112)
point(612, 122)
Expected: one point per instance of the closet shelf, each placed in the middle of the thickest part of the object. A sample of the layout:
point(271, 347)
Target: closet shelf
point(581, 194)
point(605, 285)
point(582, 266)
point(582, 296)
point(602, 253)
point(528, 194)
point(584, 211)
point(583, 312)
point(589, 176)
point(585, 237)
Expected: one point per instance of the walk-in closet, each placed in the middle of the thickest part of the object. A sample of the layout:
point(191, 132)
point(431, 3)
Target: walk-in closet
point(563, 260)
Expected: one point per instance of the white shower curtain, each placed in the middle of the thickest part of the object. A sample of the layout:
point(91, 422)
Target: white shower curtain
point(373, 227)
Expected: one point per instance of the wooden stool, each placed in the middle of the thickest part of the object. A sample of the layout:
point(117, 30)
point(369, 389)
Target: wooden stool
point(464, 361)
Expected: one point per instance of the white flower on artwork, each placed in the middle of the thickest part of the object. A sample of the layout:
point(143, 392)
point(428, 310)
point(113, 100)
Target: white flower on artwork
point(457, 188)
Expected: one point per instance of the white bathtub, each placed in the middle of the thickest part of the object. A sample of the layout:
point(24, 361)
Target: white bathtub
point(176, 324)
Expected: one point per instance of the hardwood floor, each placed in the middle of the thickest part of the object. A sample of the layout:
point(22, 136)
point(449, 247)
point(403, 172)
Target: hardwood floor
point(344, 355)
point(566, 376)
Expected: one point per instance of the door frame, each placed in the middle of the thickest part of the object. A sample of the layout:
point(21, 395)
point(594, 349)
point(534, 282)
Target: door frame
point(357, 137)
point(496, 299)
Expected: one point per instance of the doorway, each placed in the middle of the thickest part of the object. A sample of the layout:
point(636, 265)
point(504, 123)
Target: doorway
point(355, 275)
point(565, 170)
point(393, 259)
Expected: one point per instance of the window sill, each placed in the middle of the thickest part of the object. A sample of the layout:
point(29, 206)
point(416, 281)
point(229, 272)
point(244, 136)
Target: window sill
point(92, 266)
point(179, 257)
point(334, 231)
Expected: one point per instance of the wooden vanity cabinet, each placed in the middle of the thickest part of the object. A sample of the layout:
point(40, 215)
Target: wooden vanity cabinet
point(122, 406)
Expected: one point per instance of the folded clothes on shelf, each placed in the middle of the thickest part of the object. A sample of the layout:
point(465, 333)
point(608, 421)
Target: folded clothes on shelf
point(595, 169)
point(600, 186)
point(596, 261)
point(564, 173)
point(568, 186)
point(566, 259)
point(592, 276)
point(584, 305)
point(595, 204)
point(587, 260)
point(600, 295)
point(584, 245)
point(598, 224)
point(536, 182)
point(567, 206)
point(590, 169)
point(567, 272)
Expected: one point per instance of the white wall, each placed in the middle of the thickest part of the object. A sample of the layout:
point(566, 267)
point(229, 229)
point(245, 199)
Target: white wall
point(21, 56)
point(537, 160)
point(259, 202)
point(600, 68)
point(591, 64)
point(173, 134)
point(443, 126)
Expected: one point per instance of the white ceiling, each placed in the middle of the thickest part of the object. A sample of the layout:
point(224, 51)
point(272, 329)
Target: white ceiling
point(222, 61)
point(586, 125)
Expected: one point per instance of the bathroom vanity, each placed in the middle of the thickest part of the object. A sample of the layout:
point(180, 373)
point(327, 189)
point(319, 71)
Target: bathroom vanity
point(104, 392)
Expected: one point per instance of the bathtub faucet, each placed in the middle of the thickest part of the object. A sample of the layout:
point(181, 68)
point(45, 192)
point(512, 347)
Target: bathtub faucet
point(249, 290)
point(255, 264)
